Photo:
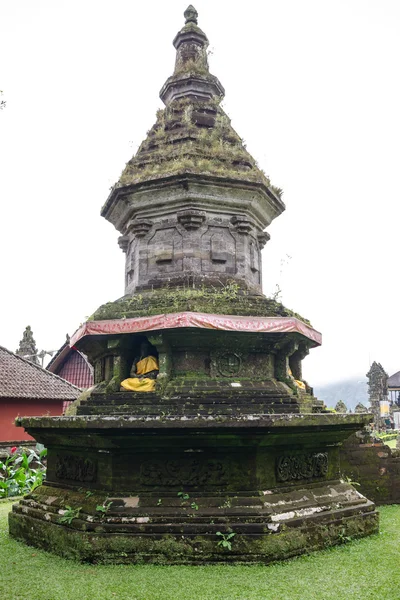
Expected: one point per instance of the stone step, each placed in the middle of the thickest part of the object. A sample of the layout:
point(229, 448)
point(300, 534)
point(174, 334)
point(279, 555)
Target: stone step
point(171, 410)
point(217, 398)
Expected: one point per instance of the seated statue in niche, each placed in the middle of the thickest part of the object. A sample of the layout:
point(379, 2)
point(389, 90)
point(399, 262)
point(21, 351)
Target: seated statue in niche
point(144, 370)
point(300, 384)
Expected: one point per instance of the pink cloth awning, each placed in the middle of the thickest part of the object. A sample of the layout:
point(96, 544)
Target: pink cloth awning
point(198, 320)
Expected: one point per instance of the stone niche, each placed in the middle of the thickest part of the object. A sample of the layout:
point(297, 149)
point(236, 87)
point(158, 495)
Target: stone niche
point(197, 362)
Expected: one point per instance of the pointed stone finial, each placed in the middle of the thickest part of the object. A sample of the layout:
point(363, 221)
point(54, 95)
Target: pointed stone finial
point(191, 14)
point(191, 78)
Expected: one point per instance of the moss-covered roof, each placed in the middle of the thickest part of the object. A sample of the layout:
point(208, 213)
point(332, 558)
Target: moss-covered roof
point(227, 300)
point(192, 136)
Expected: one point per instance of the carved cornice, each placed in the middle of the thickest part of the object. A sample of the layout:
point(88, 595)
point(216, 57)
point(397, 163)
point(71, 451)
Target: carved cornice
point(263, 238)
point(242, 224)
point(123, 243)
point(191, 219)
point(139, 227)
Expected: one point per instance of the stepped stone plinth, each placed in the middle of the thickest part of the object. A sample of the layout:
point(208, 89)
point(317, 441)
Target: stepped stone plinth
point(228, 442)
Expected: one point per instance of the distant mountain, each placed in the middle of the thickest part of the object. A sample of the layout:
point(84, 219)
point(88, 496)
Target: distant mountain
point(351, 391)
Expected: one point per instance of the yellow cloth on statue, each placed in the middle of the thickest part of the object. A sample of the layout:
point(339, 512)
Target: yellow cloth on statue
point(298, 382)
point(145, 384)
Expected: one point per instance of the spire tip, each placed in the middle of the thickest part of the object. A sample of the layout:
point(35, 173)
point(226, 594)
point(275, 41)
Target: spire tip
point(191, 14)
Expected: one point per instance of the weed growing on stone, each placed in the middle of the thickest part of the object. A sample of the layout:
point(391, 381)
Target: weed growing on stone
point(225, 541)
point(69, 514)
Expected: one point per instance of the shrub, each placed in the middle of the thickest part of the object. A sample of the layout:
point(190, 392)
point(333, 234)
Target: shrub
point(386, 437)
point(22, 471)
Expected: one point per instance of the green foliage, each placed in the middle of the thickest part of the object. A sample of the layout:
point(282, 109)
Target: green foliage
point(386, 437)
point(347, 571)
point(225, 541)
point(346, 479)
point(69, 514)
point(183, 496)
point(103, 508)
point(22, 471)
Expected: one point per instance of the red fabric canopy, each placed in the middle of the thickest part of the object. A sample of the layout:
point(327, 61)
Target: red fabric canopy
point(198, 320)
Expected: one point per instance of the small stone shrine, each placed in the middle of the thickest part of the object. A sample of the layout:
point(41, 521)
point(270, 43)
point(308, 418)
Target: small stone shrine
point(377, 391)
point(214, 449)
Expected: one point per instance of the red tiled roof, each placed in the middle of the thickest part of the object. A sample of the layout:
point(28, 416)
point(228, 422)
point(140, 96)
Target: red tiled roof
point(77, 370)
point(20, 378)
point(73, 366)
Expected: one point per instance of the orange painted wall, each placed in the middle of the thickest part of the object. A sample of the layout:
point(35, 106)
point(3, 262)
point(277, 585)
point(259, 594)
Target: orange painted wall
point(10, 409)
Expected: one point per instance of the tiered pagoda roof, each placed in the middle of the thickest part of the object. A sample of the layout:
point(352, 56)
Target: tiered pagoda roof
point(192, 134)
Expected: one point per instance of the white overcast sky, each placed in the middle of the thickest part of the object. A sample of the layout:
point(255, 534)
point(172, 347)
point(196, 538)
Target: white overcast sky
point(313, 87)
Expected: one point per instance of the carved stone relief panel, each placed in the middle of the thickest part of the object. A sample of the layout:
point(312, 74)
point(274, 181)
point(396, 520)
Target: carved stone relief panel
point(227, 363)
point(302, 466)
point(218, 251)
point(164, 251)
point(255, 261)
point(131, 264)
point(183, 472)
point(75, 468)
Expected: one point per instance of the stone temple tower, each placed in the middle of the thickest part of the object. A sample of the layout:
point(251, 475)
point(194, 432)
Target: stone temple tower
point(227, 441)
point(192, 204)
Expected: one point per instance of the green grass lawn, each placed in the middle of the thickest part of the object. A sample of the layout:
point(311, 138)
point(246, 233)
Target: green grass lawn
point(365, 569)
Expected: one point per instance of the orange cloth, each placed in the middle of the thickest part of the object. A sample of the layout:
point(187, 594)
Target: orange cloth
point(298, 382)
point(142, 384)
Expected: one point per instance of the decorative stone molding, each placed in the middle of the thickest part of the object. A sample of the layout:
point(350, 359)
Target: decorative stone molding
point(229, 364)
point(302, 466)
point(242, 224)
point(191, 219)
point(182, 472)
point(75, 468)
point(139, 227)
point(123, 243)
point(263, 238)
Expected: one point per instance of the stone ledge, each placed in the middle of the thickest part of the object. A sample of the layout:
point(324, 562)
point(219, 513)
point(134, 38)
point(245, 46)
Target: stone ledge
point(324, 421)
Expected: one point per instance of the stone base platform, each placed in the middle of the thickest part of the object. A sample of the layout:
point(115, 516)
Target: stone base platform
point(261, 528)
point(186, 489)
